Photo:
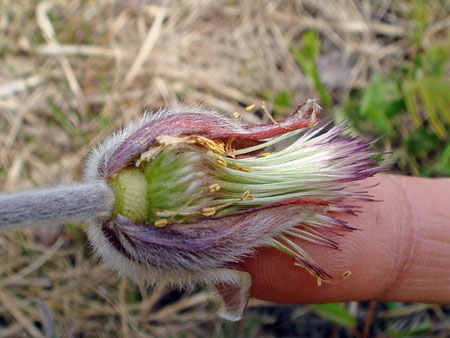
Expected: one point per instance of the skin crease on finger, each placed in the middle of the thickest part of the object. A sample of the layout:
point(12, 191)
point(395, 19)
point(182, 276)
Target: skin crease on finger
point(401, 253)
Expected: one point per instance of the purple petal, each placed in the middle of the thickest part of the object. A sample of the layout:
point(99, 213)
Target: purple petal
point(205, 124)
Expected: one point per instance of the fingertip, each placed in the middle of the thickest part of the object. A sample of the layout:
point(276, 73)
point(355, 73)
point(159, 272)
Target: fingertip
point(401, 252)
point(369, 255)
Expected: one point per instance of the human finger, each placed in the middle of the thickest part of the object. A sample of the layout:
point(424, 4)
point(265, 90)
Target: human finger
point(402, 252)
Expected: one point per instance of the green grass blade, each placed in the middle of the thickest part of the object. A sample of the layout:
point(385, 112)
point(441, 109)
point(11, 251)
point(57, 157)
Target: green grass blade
point(427, 97)
point(306, 59)
point(335, 313)
point(441, 94)
point(408, 89)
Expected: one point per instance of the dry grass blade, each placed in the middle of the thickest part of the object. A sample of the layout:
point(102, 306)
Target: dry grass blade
point(146, 47)
point(46, 26)
point(17, 313)
point(34, 265)
point(17, 86)
point(170, 311)
point(77, 50)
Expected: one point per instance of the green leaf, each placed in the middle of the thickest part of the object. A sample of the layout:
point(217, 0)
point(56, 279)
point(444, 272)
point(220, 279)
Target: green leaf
point(394, 305)
point(422, 142)
point(382, 100)
point(284, 99)
point(382, 95)
point(442, 165)
point(335, 313)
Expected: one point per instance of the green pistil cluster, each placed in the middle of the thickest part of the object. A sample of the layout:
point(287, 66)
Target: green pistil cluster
point(170, 187)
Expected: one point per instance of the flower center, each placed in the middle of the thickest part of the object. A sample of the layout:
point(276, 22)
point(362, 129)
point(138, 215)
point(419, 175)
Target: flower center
point(183, 179)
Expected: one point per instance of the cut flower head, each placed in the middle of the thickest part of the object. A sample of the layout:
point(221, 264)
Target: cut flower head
point(196, 192)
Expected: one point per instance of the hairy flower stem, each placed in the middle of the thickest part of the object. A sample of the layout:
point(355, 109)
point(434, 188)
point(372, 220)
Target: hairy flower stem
point(64, 203)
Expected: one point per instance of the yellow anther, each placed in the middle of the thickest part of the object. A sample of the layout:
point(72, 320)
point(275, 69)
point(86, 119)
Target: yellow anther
point(208, 211)
point(229, 151)
point(161, 223)
point(204, 141)
point(264, 155)
point(250, 107)
point(214, 187)
point(216, 146)
point(236, 115)
point(238, 167)
point(221, 161)
point(319, 281)
point(346, 274)
point(250, 197)
point(219, 142)
point(220, 146)
point(245, 195)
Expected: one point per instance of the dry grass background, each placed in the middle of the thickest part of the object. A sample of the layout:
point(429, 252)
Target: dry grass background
point(73, 71)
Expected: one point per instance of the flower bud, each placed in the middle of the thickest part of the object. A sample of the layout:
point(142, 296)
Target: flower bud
point(196, 192)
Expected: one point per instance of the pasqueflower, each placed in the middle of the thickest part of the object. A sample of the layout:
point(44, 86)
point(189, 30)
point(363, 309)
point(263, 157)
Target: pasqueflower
point(196, 192)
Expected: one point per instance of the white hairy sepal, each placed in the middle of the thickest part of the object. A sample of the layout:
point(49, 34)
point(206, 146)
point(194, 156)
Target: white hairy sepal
point(238, 283)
